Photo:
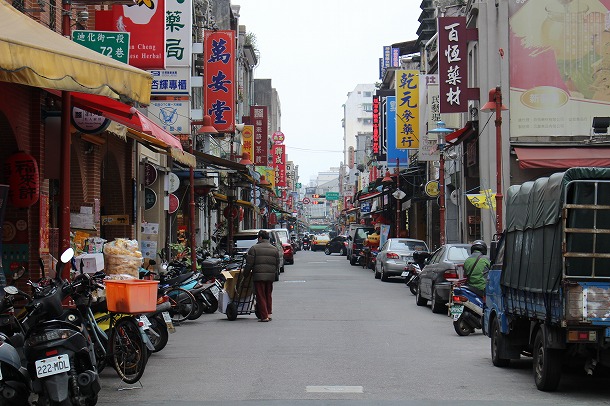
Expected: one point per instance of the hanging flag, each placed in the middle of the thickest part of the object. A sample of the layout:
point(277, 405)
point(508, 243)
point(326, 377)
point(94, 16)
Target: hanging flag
point(484, 200)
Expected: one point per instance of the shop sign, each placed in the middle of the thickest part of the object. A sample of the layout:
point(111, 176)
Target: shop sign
point(113, 44)
point(146, 26)
point(395, 155)
point(432, 188)
point(407, 109)
point(279, 164)
point(219, 80)
point(22, 173)
point(87, 122)
point(173, 182)
point(171, 115)
point(278, 137)
point(115, 220)
point(150, 198)
point(247, 140)
point(258, 117)
point(376, 146)
point(452, 62)
point(150, 174)
point(174, 81)
point(174, 203)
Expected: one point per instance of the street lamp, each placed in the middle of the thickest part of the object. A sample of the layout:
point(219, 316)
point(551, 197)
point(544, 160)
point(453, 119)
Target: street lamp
point(206, 128)
point(495, 103)
point(441, 131)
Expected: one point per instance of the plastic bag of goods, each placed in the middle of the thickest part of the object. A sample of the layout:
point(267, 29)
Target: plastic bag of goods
point(122, 257)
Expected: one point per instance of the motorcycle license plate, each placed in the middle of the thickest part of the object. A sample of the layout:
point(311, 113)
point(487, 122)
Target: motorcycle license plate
point(456, 311)
point(168, 322)
point(52, 366)
point(404, 274)
point(145, 322)
point(215, 290)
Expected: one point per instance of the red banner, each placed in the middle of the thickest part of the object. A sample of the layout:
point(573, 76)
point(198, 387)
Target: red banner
point(146, 28)
point(219, 79)
point(452, 61)
point(279, 165)
point(258, 118)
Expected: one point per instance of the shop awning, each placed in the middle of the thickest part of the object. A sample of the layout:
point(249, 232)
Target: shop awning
point(33, 55)
point(223, 198)
point(139, 127)
point(460, 135)
point(562, 157)
point(218, 162)
point(369, 196)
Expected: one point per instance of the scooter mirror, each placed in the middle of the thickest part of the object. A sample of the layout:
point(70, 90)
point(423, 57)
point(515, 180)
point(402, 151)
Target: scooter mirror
point(67, 255)
point(19, 273)
point(11, 290)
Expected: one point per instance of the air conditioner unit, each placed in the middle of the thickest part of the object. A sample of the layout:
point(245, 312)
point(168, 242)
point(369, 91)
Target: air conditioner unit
point(473, 110)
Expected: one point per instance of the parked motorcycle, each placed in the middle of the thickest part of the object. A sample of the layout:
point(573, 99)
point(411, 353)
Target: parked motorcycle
point(465, 308)
point(413, 269)
point(59, 354)
point(15, 382)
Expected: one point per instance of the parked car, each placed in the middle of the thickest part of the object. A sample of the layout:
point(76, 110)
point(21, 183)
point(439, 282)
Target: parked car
point(337, 245)
point(318, 243)
point(394, 256)
point(244, 239)
point(282, 236)
point(357, 236)
point(445, 266)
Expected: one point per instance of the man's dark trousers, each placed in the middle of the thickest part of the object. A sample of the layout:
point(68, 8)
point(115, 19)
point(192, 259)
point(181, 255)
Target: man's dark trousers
point(263, 298)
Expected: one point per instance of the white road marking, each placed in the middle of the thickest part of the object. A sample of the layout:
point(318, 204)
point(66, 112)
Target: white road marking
point(334, 389)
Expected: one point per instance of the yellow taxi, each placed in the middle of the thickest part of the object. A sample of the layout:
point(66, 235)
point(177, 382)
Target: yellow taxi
point(319, 241)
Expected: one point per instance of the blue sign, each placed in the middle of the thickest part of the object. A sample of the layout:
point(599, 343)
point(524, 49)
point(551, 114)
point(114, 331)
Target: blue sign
point(393, 153)
point(365, 207)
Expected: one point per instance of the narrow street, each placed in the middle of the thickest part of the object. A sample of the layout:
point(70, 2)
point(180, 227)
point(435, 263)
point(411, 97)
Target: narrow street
point(338, 336)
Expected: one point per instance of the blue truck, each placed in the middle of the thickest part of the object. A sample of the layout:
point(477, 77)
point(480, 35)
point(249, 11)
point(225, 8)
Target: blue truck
point(548, 291)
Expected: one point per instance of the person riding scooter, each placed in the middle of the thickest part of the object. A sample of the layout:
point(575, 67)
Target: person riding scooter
point(476, 267)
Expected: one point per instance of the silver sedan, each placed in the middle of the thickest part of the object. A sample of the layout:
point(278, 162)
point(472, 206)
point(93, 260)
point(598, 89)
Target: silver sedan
point(394, 256)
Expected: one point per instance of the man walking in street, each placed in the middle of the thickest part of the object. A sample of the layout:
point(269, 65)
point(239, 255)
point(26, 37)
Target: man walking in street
point(263, 261)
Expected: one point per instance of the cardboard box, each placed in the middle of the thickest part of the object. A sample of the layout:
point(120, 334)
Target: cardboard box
point(92, 263)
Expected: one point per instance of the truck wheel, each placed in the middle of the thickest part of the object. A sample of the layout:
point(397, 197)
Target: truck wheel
point(461, 327)
point(496, 340)
point(547, 365)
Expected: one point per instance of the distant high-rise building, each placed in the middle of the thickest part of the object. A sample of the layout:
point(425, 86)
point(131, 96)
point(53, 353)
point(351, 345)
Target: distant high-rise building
point(357, 120)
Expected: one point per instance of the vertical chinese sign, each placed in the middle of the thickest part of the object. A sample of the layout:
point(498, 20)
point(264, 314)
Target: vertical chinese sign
point(279, 164)
point(452, 51)
point(407, 109)
point(247, 141)
point(376, 144)
point(178, 41)
point(258, 118)
point(219, 79)
point(394, 154)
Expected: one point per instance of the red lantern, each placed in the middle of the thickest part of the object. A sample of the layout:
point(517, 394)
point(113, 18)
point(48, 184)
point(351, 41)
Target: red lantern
point(230, 213)
point(23, 179)
point(241, 214)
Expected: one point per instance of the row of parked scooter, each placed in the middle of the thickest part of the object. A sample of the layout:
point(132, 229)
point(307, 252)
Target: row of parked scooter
point(53, 348)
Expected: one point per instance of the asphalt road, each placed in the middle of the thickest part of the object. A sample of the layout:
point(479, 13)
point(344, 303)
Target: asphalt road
point(338, 337)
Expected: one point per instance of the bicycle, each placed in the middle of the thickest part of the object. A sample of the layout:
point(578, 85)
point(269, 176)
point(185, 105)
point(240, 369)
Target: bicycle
point(182, 302)
point(127, 348)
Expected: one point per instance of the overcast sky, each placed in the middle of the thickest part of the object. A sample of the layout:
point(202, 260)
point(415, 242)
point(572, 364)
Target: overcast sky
point(315, 52)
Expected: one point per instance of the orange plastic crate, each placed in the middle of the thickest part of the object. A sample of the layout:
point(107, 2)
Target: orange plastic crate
point(131, 296)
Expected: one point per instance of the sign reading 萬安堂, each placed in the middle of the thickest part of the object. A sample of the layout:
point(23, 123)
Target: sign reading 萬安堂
point(112, 44)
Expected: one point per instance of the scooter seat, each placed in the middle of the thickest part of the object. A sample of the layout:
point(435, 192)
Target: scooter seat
point(178, 279)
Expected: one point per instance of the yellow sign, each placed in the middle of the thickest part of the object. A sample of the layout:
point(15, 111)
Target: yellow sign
point(483, 200)
point(407, 109)
point(247, 140)
point(116, 220)
point(432, 188)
